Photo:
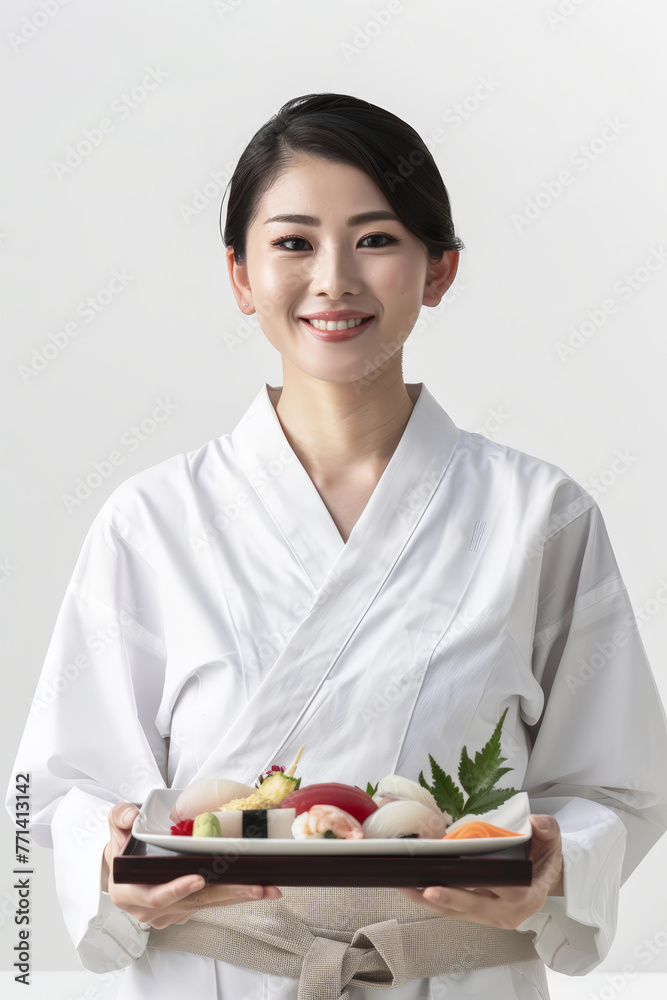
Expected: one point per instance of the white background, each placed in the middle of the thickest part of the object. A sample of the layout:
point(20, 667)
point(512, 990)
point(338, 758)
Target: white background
point(519, 90)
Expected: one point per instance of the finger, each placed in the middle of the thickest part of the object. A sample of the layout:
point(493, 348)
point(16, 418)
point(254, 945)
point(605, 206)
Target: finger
point(467, 905)
point(155, 897)
point(121, 818)
point(462, 903)
point(217, 895)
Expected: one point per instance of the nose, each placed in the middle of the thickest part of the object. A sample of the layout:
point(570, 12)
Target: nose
point(335, 273)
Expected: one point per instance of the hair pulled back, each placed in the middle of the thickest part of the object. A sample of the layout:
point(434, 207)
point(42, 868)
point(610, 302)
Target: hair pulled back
point(344, 129)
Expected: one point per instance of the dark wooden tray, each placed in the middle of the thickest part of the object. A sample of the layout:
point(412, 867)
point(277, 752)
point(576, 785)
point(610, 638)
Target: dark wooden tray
point(146, 864)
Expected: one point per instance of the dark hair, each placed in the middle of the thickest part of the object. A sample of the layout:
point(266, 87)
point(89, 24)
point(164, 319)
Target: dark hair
point(344, 129)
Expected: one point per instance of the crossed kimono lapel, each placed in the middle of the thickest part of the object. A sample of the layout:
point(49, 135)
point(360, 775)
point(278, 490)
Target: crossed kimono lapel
point(346, 577)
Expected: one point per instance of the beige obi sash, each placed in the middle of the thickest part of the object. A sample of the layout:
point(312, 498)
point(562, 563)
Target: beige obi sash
point(331, 937)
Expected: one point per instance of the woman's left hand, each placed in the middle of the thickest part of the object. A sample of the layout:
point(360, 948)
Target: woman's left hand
point(504, 906)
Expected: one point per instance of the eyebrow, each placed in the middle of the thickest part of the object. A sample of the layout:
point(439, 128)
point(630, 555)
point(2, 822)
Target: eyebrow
point(354, 220)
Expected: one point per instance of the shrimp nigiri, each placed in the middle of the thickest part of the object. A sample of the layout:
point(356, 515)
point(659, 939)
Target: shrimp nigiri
point(322, 819)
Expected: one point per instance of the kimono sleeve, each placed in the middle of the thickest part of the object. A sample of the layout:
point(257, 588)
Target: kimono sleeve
point(90, 739)
point(599, 741)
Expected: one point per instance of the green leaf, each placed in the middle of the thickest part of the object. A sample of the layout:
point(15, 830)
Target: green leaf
point(487, 799)
point(477, 778)
point(330, 835)
point(466, 772)
point(447, 794)
point(483, 772)
point(370, 790)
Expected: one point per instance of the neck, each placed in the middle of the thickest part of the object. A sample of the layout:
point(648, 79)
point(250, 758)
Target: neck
point(331, 426)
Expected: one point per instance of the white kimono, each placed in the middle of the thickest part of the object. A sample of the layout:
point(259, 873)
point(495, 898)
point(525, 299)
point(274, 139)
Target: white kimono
point(216, 621)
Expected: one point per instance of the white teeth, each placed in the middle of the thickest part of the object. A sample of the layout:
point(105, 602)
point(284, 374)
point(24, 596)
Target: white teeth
point(343, 324)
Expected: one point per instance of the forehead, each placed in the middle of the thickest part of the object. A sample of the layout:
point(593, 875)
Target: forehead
point(307, 182)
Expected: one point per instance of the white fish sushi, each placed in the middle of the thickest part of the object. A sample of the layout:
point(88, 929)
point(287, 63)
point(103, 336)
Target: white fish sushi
point(395, 787)
point(208, 795)
point(405, 818)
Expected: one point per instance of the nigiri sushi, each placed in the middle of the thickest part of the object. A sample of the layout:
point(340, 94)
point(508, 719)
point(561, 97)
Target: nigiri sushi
point(208, 795)
point(405, 818)
point(323, 820)
point(395, 787)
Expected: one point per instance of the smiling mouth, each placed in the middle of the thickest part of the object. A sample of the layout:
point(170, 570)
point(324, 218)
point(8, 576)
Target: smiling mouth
point(342, 330)
point(343, 324)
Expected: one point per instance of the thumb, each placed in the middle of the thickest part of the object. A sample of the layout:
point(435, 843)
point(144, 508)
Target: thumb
point(545, 826)
point(121, 818)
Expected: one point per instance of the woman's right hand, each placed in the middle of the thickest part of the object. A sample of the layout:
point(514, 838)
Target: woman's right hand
point(172, 902)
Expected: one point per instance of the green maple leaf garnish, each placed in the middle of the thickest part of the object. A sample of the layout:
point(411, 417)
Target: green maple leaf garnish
point(369, 788)
point(445, 792)
point(477, 777)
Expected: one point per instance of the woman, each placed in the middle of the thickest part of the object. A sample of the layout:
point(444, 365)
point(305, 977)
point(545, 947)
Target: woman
point(350, 571)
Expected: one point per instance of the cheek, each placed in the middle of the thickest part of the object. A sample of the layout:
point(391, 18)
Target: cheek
point(401, 282)
point(275, 288)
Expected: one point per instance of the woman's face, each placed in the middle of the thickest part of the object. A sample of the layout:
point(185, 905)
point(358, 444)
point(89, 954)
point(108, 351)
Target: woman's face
point(333, 261)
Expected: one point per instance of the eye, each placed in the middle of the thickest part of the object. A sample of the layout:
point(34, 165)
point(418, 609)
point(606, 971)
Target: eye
point(382, 236)
point(300, 239)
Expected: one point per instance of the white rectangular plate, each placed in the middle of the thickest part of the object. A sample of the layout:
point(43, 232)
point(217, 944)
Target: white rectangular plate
point(153, 824)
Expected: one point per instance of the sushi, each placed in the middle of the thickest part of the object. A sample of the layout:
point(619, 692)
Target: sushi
point(405, 818)
point(394, 788)
point(326, 821)
point(255, 823)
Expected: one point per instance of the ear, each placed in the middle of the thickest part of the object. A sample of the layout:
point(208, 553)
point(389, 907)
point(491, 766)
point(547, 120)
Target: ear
point(439, 277)
point(238, 278)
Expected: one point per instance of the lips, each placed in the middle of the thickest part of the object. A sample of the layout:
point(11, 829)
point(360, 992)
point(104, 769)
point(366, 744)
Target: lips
point(336, 335)
point(334, 315)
